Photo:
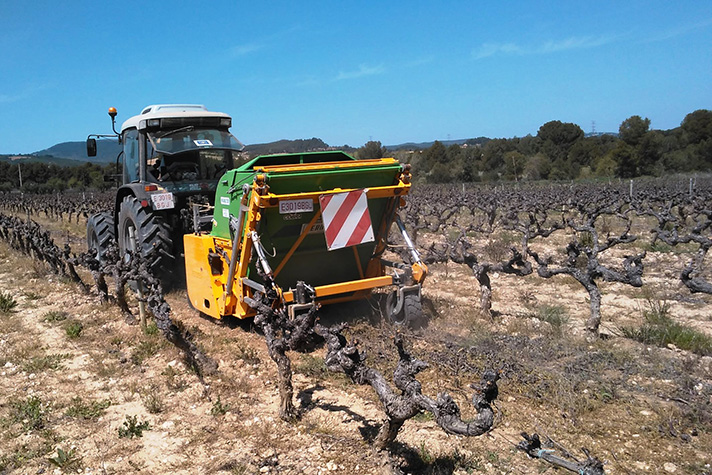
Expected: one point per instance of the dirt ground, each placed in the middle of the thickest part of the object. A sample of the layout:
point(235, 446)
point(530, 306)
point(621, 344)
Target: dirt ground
point(84, 392)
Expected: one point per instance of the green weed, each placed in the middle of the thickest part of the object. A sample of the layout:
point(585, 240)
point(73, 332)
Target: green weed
point(555, 315)
point(55, 316)
point(151, 329)
point(425, 454)
point(87, 411)
point(311, 366)
point(31, 295)
point(219, 409)
point(152, 401)
point(41, 363)
point(7, 302)
point(133, 428)
point(173, 379)
point(73, 329)
point(31, 413)
point(66, 460)
point(144, 350)
point(247, 354)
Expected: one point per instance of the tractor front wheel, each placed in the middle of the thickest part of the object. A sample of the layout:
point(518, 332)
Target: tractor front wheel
point(143, 231)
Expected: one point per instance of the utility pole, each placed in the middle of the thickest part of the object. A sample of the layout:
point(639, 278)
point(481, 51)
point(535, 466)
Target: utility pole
point(19, 172)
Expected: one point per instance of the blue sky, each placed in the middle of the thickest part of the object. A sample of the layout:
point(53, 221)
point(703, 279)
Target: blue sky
point(348, 72)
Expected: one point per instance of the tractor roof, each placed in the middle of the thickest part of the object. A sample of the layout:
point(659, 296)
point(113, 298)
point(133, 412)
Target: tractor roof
point(160, 111)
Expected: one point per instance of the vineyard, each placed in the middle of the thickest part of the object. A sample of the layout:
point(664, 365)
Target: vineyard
point(579, 312)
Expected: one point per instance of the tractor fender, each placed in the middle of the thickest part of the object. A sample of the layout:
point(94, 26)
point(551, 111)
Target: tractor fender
point(137, 190)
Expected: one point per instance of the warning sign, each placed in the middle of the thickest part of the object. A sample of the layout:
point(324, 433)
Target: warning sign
point(347, 221)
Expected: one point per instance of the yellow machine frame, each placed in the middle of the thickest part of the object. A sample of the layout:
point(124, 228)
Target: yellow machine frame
point(212, 291)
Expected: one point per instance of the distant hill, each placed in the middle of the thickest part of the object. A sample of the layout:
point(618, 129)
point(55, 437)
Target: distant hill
point(74, 153)
point(106, 151)
point(423, 145)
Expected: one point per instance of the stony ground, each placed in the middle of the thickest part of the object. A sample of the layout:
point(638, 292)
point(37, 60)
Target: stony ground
point(84, 392)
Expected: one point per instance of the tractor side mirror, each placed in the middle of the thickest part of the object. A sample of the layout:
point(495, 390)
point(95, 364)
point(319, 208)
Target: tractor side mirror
point(91, 147)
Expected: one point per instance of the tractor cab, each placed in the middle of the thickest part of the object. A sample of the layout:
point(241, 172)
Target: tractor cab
point(184, 148)
point(173, 156)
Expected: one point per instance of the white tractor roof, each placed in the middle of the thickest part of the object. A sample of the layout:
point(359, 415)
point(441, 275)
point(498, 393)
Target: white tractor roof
point(160, 111)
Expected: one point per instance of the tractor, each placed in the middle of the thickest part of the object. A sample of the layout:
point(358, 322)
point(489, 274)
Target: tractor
point(173, 156)
point(311, 228)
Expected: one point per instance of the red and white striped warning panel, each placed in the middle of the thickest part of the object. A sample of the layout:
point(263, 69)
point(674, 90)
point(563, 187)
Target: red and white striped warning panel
point(347, 221)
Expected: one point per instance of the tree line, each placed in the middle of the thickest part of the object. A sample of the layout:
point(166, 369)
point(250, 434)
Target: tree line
point(561, 151)
point(48, 177)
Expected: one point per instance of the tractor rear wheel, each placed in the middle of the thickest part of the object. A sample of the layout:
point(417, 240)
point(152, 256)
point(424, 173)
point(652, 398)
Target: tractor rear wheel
point(100, 230)
point(151, 238)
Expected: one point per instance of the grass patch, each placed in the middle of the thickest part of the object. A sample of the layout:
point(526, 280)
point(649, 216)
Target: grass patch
point(424, 416)
point(30, 296)
point(41, 363)
point(151, 329)
point(28, 450)
point(152, 401)
point(661, 330)
point(31, 413)
point(144, 350)
point(554, 315)
point(73, 329)
point(657, 246)
point(312, 366)
point(7, 302)
point(247, 354)
point(173, 379)
point(87, 411)
point(55, 316)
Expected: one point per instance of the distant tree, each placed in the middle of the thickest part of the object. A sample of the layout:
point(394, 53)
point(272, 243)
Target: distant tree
point(557, 138)
point(560, 133)
point(436, 153)
point(513, 165)
point(698, 125)
point(633, 129)
point(537, 167)
point(441, 173)
point(649, 154)
point(493, 155)
point(606, 166)
point(625, 158)
point(528, 145)
point(371, 149)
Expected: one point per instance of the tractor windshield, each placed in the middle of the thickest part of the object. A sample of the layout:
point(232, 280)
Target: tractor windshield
point(191, 154)
point(192, 138)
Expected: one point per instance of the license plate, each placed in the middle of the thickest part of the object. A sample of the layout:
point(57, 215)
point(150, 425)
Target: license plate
point(162, 201)
point(296, 206)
